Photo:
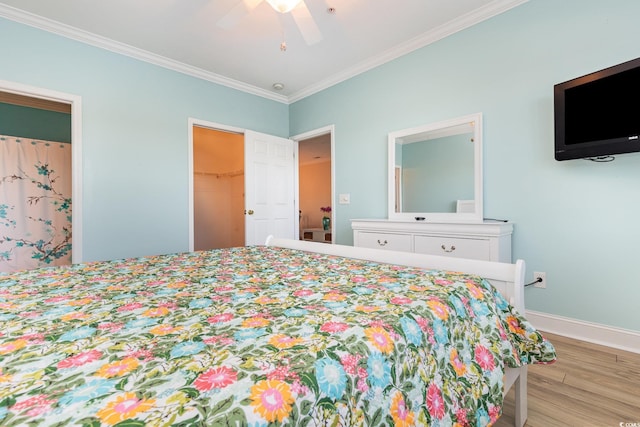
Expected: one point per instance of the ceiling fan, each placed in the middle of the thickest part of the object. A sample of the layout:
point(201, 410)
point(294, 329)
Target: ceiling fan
point(298, 9)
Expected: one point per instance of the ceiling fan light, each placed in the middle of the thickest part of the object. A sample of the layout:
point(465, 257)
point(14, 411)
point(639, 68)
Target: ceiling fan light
point(283, 6)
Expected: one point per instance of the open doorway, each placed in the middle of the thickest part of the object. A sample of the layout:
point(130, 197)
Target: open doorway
point(315, 187)
point(265, 204)
point(41, 177)
point(218, 188)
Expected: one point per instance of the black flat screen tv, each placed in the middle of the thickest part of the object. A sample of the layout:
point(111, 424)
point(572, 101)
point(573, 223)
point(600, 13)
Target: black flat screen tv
point(598, 115)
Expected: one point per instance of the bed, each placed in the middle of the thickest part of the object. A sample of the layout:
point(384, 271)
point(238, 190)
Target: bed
point(289, 333)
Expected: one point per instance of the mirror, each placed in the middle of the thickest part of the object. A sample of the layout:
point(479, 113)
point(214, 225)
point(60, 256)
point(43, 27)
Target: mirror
point(435, 171)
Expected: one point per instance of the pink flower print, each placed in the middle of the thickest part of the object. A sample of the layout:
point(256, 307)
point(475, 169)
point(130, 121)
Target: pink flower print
point(461, 416)
point(350, 363)
point(29, 314)
point(169, 305)
point(220, 318)
point(378, 324)
point(110, 326)
point(282, 373)
point(503, 333)
point(219, 377)
point(494, 413)
point(57, 299)
point(80, 359)
point(145, 293)
point(36, 405)
point(131, 306)
point(484, 358)
point(334, 327)
point(430, 336)
point(33, 338)
point(362, 385)
point(154, 283)
point(143, 354)
point(401, 300)
point(362, 372)
point(303, 293)
point(435, 402)
point(218, 340)
point(358, 279)
point(423, 323)
point(299, 388)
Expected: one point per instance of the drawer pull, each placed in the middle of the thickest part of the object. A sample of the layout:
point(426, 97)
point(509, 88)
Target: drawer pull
point(382, 243)
point(451, 249)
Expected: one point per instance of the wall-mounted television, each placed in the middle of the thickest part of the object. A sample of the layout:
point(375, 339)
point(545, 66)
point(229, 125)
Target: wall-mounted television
point(598, 115)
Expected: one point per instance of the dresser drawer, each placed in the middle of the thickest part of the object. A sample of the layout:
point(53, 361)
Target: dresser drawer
point(487, 241)
point(389, 241)
point(454, 247)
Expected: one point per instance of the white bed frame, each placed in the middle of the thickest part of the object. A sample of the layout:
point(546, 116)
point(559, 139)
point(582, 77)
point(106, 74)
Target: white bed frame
point(507, 278)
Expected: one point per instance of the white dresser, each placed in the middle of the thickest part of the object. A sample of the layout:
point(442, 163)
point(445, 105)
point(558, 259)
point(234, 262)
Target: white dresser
point(489, 240)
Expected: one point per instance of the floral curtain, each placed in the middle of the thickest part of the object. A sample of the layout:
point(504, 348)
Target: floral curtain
point(35, 203)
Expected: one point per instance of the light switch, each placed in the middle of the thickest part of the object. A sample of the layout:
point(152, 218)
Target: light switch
point(344, 199)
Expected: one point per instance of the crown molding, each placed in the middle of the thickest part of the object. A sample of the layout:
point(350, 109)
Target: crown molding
point(492, 9)
point(465, 21)
point(73, 33)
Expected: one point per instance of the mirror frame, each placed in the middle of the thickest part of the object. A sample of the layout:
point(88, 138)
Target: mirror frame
point(439, 217)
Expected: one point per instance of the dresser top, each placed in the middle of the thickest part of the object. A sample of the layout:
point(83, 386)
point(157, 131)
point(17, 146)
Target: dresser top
point(487, 227)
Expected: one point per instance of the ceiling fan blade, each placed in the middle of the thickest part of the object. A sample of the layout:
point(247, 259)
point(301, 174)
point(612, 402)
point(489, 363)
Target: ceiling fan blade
point(239, 11)
point(306, 24)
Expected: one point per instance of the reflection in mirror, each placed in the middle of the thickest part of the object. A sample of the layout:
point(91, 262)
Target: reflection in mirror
point(435, 171)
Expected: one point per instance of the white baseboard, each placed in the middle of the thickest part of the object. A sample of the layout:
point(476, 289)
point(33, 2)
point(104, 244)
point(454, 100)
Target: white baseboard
point(622, 339)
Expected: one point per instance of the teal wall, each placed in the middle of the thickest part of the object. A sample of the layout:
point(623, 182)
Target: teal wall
point(34, 123)
point(134, 135)
point(575, 220)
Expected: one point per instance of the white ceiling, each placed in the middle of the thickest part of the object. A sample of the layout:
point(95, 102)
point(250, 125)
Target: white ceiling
point(184, 35)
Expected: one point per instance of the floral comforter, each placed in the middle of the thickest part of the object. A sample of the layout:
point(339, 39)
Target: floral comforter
point(255, 336)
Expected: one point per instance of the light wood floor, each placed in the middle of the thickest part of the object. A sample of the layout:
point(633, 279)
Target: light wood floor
point(589, 385)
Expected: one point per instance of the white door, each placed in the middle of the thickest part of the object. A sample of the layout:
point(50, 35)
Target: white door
point(269, 187)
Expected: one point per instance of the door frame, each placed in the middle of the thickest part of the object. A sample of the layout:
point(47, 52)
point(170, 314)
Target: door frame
point(330, 129)
point(75, 102)
point(325, 130)
point(209, 125)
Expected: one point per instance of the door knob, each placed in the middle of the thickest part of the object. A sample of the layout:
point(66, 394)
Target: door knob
point(250, 211)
